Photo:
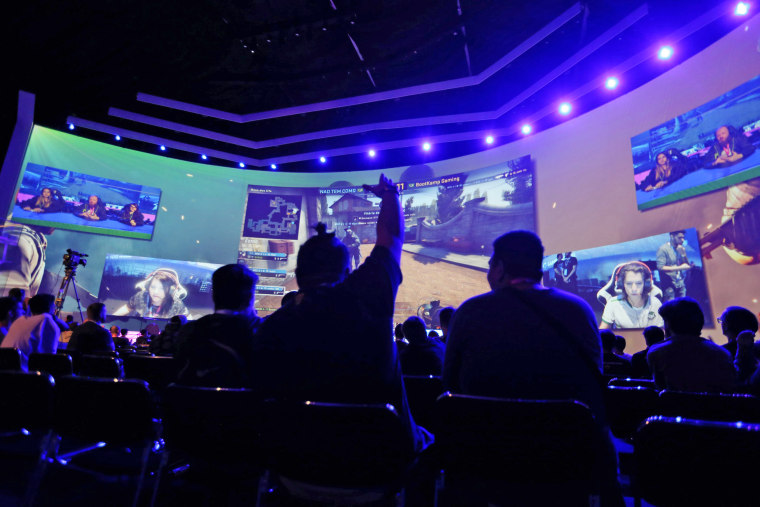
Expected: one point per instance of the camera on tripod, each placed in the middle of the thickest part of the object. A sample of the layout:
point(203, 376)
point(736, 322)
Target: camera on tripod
point(72, 259)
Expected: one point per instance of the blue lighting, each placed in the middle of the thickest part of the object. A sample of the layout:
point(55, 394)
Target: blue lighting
point(372, 153)
point(204, 157)
point(71, 126)
point(665, 53)
point(117, 137)
point(565, 108)
point(162, 148)
point(273, 166)
point(241, 165)
point(322, 159)
point(526, 129)
point(611, 83)
point(742, 8)
point(426, 146)
point(489, 140)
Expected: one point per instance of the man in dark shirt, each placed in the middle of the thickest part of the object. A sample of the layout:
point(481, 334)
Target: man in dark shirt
point(424, 355)
point(90, 337)
point(652, 336)
point(217, 350)
point(733, 321)
point(333, 342)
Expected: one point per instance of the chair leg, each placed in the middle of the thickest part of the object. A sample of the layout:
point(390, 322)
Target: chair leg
point(143, 471)
point(48, 447)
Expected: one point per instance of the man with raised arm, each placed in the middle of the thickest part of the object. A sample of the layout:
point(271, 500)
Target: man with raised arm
point(333, 341)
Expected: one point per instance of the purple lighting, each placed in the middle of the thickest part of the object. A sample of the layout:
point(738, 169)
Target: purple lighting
point(162, 148)
point(273, 166)
point(526, 129)
point(565, 108)
point(665, 53)
point(322, 159)
point(611, 83)
point(489, 140)
point(372, 153)
point(742, 8)
point(117, 137)
point(241, 165)
point(71, 126)
point(426, 146)
point(204, 157)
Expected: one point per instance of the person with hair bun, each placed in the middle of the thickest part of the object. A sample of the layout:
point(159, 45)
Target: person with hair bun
point(160, 296)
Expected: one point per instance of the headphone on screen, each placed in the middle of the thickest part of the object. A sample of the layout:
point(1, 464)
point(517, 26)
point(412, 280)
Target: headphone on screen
point(647, 276)
point(175, 288)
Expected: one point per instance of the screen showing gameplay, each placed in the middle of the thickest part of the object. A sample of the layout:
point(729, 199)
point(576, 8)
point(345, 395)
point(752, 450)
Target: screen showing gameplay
point(705, 149)
point(67, 199)
point(626, 283)
point(211, 216)
point(156, 288)
point(449, 225)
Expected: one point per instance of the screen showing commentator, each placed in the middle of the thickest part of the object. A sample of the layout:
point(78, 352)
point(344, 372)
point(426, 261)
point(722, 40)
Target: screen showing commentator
point(156, 288)
point(626, 283)
point(67, 199)
point(450, 223)
point(710, 147)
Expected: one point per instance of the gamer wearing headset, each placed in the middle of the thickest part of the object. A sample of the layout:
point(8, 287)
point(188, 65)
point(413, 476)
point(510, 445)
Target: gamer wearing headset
point(159, 296)
point(634, 307)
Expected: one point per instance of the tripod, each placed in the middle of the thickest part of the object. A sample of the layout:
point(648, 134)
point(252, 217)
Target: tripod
point(69, 275)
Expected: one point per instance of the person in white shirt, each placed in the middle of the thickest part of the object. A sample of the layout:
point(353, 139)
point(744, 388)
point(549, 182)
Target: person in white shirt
point(38, 333)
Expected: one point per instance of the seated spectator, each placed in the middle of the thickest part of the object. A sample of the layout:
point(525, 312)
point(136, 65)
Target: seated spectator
point(398, 338)
point(733, 321)
point(508, 343)
point(445, 317)
point(19, 295)
point(69, 320)
point(90, 337)
point(619, 348)
point(217, 350)
point(331, 344)
point(685, 361)
point(613, 364)
point(10, 310)
point(424, 355)
point(38, 333)
point(143, 340)
point(165, 344)
point(639, 366)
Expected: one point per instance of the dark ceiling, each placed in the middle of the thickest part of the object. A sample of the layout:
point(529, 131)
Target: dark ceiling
point(82, 57)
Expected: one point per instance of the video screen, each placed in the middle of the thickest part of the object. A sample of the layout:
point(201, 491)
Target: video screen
point(450, 225)
point(705, 149)
point(156, 288)
point(51, 197)
point(626, 283)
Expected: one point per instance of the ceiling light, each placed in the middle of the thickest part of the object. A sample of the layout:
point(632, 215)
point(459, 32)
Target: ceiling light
point(372, 153)
point(489, 139)
point(426, 146)
point(322, 159)
point(611, 83)
point(162, 148)
point(526, 129)
point(665, 53)
point(565, 108)
point(204, 157)
point(273, 166)
point(241, 165)
point(742, 8)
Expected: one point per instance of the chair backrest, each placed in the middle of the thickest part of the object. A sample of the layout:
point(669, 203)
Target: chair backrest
point(58, 365)
point(96, 365)
point(513, 440)
point(27, 400)
point(631, 382)
point(421, 393)
point(710, 406)
point(110, 410)
point(694, 462)
point(219, 425)
point(10, 359)
point(158, 371)
point(336, 444)
point(627, 407)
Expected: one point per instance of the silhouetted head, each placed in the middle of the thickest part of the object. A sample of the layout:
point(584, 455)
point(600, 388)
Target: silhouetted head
point(736, 319)
point(233, 288)
point(682, 316)
point(653, 334)
point(96, 312)
point(608, 340)
point(322, 259)
point(414, 330)
point(516, 254)
point(42, 303)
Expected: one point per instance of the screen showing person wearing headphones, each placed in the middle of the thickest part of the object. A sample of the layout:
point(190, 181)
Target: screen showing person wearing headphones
point(160, 296)
point(634, 307)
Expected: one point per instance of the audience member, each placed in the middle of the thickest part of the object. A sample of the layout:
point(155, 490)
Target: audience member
point(165, 344)
point(398, 338)
point(10, 310)
point(685, 361)
point(69, 320)
point(424, 355)
point(217, 350)
point(19, 295)
point(38, 333)
point(332, 343)
point(613, 364)
point(90, 337)
point(445, 317)
point(639, 366)
point(619, 348)
point(733, 321)
point(115, 331)
point(508, 343)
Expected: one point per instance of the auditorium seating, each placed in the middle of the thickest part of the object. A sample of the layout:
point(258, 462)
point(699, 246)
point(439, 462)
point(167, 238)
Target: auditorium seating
point(10, 359)
point(96, 365)
point(157, 371)
point(627, 407)
point(421, 393)
point(710, 406)
point(631, 382)
point(57, 365)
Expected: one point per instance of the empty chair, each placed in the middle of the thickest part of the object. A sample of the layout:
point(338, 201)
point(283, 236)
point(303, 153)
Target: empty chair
point(91, 365)
point(631, 382)
point(336, 452)
point(10, 359)
point(693, 462)
point(57, 365)
point(26, 401)
point(158, 371)
point(496, 449)
point(117, 412)
point(710, 406)
point(421, 393)
point(627, 407)
point(217, 432)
